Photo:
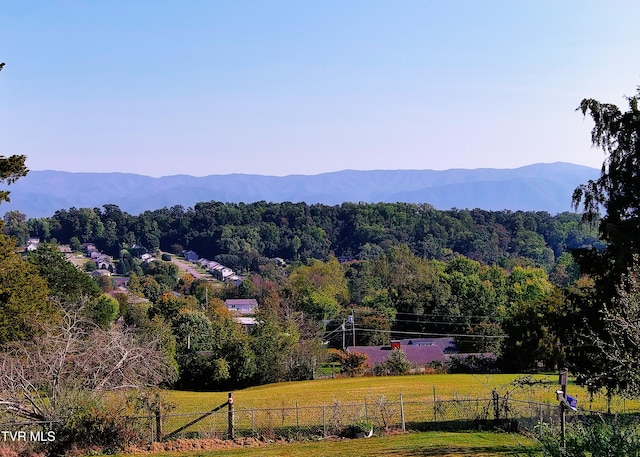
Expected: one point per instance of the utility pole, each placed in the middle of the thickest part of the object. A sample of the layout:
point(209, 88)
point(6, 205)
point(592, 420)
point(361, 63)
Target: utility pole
point(353, 327)
point(343, 335)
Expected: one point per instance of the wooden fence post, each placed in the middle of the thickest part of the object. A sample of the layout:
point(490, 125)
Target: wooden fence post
point(496, 404)
point(230, 430)
point(158, 415)
point(152, 430)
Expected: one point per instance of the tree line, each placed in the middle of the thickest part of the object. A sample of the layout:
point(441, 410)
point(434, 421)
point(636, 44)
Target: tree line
point(243, 235)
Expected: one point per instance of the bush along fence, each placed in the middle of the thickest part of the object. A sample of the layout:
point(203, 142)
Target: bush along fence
point(227, 421)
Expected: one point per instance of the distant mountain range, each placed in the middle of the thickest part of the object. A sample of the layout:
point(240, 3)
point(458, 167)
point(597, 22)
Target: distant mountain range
point(539, 187)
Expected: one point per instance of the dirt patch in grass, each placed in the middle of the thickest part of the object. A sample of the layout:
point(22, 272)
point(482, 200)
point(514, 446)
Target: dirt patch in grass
point(203, 444)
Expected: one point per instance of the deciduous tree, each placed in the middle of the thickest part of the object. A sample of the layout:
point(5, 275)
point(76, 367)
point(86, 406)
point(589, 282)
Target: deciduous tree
point(319, 288)
point(616, 193)
point(43, 379)
point(617, 348)
point(15, 225)
point(67, 283)
point(103, 310)
point(24, 301)
point(533, 339)
point(271, 340)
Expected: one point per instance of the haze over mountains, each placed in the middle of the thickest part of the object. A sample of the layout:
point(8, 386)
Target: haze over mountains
point(539, 187)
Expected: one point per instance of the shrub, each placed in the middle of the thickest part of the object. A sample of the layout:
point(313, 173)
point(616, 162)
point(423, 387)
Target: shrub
point(396, 364)
point(614, 436)
point(359, 428)
point(435, 367)
point(93, 425)
point(472, 363)
point(354, 363)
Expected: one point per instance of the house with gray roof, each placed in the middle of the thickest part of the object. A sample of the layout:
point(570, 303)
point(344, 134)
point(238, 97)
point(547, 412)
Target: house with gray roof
point(419, 355)
point(242, 306)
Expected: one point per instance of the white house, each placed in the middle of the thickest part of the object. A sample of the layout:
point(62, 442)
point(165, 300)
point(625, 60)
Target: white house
point(32, 244)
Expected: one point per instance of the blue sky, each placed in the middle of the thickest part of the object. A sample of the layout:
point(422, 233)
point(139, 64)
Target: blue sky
point(304, 87)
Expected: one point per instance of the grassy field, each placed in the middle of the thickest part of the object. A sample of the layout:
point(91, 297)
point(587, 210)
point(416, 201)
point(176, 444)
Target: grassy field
point(413, 388)
point(422, 388)
point(432, 444)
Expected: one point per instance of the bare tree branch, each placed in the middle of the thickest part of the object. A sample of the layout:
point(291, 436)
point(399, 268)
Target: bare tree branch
point(620, 346)
point(38, 379)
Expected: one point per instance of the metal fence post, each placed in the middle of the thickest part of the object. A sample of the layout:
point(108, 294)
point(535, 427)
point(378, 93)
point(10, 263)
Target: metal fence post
point(541, 419)
point(435, 416)
point(324, 421)
point(404, 429)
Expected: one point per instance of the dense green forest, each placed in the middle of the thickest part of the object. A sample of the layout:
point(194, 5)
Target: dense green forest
point(491, 279)
point(243, 235)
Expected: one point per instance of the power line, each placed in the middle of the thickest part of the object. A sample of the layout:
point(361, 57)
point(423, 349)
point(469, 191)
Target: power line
point(492, 316)
point(429, 333)
point(433, 322)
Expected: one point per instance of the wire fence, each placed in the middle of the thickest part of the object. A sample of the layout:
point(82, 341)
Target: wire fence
point(335, 419)
point(35, 428)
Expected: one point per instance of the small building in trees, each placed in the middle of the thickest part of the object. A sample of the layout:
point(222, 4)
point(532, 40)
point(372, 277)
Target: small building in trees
point(32, 244)
point(146, 258)
point(103, 261)
point(98, 273)
point(243, 310)
point(89, 248)
point(190, 256)
point(242, 306)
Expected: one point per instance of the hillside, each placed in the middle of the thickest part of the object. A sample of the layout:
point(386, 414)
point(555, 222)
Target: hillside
point(539, 187)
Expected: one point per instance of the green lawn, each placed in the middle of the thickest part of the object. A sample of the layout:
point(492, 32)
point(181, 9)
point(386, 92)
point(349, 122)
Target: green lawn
point(478, 444)
point(342, 391)
point(413, 388)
